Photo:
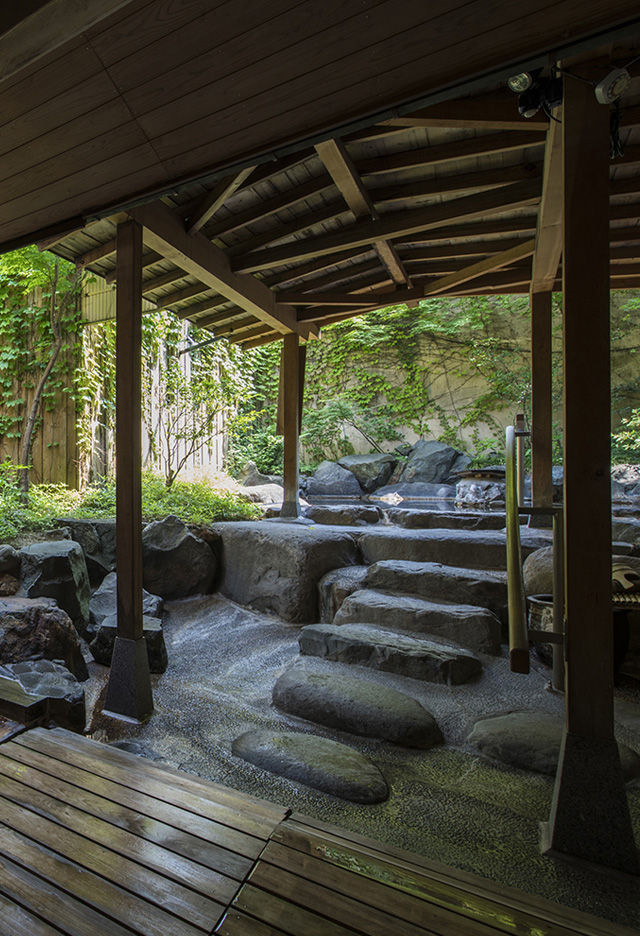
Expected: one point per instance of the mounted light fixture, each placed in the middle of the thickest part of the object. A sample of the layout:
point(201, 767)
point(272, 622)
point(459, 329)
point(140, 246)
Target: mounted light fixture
point(545, 93)
point(521, 82)
point(612, 86)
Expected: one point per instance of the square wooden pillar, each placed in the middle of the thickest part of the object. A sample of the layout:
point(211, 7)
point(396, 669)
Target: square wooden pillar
point(129, 688)
point(589, 813)
point(291, 382)
point(541, 403)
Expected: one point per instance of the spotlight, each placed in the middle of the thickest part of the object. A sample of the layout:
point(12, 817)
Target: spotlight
point(613, 86)
point(521, 82)
point(545, 93)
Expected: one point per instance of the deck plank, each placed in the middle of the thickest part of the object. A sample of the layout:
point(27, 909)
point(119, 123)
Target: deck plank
point(254, 816)
point(237, 924)
point(151, 807)
point(16, 921)
point(271, 910)
point(182, 842)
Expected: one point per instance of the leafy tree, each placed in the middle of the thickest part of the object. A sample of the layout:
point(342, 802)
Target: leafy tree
point(39, 296)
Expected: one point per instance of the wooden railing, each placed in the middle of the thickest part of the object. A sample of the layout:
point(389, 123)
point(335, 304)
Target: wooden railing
point(518, 633)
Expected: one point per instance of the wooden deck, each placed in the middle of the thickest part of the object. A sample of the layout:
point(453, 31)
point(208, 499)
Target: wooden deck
point(94, 840)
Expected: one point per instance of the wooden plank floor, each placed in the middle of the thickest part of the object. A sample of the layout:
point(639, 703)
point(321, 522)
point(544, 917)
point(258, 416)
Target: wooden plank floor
point(94, 840)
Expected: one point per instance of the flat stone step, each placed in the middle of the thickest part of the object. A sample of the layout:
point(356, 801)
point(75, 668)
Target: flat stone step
point(471, 549)
point(485, 588)
point(359, 706)
point(18, 705)
point(389, 652)
point(441, 519)
point(317, 762)
point(473, 628)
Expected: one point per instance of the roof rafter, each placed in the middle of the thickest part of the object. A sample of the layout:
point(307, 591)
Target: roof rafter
point(164, 232)
point(546, 258)
point(398, 225)
point(214, 199)
point(471, 113)
point(339, 164)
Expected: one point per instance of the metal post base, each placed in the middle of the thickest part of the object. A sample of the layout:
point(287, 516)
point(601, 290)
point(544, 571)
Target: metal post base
point(589, 817)
point(290, 508)
point(129, 688)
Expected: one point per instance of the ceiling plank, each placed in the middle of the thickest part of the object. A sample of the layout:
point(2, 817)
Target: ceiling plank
point(471, 114)
point(165, 233)
point(214, 199)
point(400, 224)
point(48, 28)
point(341, 299)
point(546, 258)
point(339, 164)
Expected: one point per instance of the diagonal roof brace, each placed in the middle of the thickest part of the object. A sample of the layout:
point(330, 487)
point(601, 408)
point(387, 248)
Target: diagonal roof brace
point(164, 232)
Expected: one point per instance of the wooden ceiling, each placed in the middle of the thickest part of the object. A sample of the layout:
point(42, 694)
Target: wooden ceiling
point(294, 163)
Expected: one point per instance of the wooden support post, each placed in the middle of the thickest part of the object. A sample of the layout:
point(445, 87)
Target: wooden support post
point(129, 689)
point(291, 423)
point(589, 812)
point(541, 407)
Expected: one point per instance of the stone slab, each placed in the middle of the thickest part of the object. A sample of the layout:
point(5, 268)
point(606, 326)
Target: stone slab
point(486, 588)
point(389, 652)
point(336, 585)
point(317, 762)
point(474, 628)
point(442, 519)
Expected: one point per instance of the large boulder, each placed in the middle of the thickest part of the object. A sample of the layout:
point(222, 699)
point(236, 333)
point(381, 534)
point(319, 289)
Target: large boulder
point(371, 471)
point(412, 519)
point(331, 479)
point(58, 570)
point(474, 628)
point(104, 641)
point(264, 494)
point(251, 476)
point(390, 652)
point(479, 495)
point(276, 567)
point(431, 462)
point(104, 602)
point(337, 585)
point(317, 762)
point(175, 563)
point(63, 694)
point(9, 559)
point(415, 490)
point(537, 572)
point(359, 706)
point(37, 629)
point(98, 541)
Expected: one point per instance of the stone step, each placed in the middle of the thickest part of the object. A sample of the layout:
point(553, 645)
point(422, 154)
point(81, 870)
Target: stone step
point(390, 652)
point(474, 628)
point(412, 519)
point(471, 549)
point(484, 588)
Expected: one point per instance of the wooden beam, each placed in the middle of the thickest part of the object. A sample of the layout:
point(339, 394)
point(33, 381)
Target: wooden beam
point(441, 153)
point(290, 385)
point(129, 687)
point(541, 401)
point(456, 182)
point(221, 191)
point(399, 224)
point(471, 113)
point(48, 28)
point(475, 270)
point(321, 299)
point(149, 259)
point(549, 228)
point(589, 812)
point(165, 233)
point(97, 253)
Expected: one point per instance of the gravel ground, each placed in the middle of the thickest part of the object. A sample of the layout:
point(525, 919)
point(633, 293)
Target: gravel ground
point(449, 804)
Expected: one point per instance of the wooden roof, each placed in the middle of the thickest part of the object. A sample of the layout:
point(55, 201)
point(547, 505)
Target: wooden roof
point(297, 162)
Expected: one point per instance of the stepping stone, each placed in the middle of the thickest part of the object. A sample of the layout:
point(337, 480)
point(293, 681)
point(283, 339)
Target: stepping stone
point(531, 740)
point(317, 762)
point(357, 706)
point(343, 515)
point(473, 628)
point(486, 588)
point(384, 650)
point(337, 585)
point(55, 694)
